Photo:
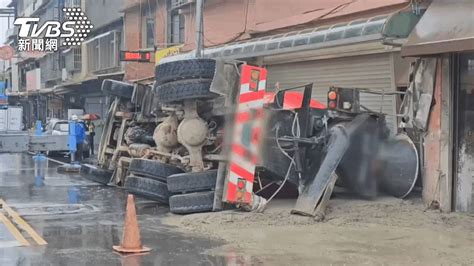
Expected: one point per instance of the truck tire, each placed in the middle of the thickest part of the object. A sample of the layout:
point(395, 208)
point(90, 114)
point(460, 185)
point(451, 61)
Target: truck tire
point(96, 174)
point(192, 182)
point(153, 169)
point(117, 88)
point(185, 69)
point(183, 90)
point(147, 188)
point(192, 203)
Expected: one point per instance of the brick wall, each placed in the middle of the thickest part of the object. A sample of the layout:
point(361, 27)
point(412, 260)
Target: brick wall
point(133, 35)
point(133, 42)
point(228, 21)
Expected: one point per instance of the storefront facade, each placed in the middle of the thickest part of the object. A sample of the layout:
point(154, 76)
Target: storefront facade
point(452, 44)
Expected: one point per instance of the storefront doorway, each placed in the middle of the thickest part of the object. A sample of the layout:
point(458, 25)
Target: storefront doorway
point(464, 131)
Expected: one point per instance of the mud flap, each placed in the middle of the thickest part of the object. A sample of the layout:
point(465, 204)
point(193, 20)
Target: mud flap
point(339, 142)
point(320, 212)
point(313, 191)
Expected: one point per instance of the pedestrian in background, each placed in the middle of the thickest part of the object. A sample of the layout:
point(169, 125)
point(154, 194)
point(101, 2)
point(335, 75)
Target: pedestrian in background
point(80, 130)
point(91, 129)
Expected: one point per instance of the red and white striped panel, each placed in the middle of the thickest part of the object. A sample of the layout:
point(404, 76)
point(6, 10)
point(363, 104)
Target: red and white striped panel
point(244, 154)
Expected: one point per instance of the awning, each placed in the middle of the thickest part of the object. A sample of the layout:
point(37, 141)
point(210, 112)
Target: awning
point(43, 91)
point(71, 87)
point(447, 26)
point(98, 37)
point(358, 31)
point(374, 29)
point(110, 75)
point(313, 38)
point(68, 87)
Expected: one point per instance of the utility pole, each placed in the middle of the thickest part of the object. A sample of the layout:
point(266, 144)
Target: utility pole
point(199, 27)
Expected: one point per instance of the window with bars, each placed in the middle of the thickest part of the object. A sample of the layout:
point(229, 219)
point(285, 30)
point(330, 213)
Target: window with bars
point(177, 28)
point(179, 3)
point(74, 59)
point(72, 3)
point(176, 23)
point(51, 66)
point(77, 53)
point(104, 52)
point(149, 28)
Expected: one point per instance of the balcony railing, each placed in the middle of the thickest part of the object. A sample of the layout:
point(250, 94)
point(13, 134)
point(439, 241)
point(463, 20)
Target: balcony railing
point(103, 51)
point(72, 3)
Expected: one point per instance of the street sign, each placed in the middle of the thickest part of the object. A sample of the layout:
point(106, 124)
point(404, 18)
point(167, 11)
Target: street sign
point(2, 87)
point(130, 56)
point(3, 97)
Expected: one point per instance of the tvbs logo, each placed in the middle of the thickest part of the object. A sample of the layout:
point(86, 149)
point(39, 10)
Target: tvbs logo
point(51, 29)
point(34, 36)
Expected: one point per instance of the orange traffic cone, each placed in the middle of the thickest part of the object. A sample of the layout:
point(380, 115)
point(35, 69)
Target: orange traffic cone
point(131, 242)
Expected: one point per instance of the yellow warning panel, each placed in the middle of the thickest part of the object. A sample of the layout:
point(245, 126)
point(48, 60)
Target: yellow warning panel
point(170, 51)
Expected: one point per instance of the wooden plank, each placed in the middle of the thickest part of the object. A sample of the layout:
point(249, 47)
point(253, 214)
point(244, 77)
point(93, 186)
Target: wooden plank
point(13, 230)
point(23, 224)
point(432, 144)
point(427, 83)
point(446, 173)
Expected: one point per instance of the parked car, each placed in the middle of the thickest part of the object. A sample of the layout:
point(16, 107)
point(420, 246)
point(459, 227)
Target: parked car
point(61, 127)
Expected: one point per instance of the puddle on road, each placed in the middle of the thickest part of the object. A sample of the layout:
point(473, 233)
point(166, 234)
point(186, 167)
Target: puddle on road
point(54, 209)
point(61, 182)
point(89, 240)
point(82, 220)
point(16, 170)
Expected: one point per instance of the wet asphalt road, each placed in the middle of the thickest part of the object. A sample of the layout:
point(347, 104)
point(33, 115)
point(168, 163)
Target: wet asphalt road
point(81, 220)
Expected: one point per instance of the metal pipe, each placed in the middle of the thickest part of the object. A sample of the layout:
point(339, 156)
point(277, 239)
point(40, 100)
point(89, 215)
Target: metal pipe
point(199, 28)
point(381, 92)
point(37, 107)
point(219, 191)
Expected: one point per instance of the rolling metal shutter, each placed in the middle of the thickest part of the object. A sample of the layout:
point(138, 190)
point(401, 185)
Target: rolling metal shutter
point(366, 71)
point(96, 105)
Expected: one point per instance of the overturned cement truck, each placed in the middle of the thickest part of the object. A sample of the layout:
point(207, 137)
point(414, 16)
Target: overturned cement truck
point(208, 130)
